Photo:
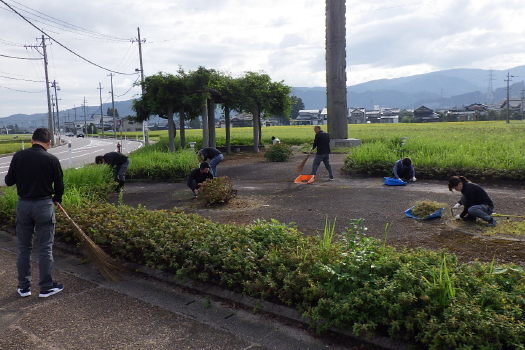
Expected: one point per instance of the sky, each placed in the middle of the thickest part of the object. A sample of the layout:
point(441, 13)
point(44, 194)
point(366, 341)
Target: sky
point(86, 41)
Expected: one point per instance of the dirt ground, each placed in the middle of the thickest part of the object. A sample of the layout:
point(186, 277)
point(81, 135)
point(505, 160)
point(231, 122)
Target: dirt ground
point(266, 190)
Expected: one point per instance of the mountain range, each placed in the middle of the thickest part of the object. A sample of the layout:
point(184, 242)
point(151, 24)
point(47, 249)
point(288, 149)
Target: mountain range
point(453, 88)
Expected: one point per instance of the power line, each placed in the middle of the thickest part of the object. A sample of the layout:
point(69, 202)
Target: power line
point(34, 81)
point(21, 58)
point(74, 53)
point(29, 92)
point(69, 27)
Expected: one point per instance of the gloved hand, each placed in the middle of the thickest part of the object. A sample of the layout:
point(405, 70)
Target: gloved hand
point(456, 206)
point(413, 179)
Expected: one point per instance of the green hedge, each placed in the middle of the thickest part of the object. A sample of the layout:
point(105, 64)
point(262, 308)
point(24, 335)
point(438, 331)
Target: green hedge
point(356, 284)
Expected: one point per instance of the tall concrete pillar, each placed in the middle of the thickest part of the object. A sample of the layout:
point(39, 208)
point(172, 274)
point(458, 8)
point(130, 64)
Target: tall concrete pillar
point(336, 69)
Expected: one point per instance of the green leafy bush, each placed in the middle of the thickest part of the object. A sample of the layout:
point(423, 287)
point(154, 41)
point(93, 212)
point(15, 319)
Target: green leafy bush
point(216, 190)
point(279, 152)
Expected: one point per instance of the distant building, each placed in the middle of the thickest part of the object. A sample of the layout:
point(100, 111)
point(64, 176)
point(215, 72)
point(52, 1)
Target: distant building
point(425, 115)
point(242, 120)
point(307, 117)
point(373, 116)
point(357, 116)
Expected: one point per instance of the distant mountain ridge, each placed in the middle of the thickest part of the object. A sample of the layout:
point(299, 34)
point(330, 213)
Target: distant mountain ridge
point(443, 89)
point(453, 88)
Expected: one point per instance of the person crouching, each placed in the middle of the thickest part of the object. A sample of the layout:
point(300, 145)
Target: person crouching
point(198, 176)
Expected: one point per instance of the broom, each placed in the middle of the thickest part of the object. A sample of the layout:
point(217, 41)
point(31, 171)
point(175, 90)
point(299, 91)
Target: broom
point(299, 168)
point(106, 265)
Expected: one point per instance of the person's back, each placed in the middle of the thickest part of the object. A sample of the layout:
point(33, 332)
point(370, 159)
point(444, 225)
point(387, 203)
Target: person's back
point(37, 175)
point(115, 158)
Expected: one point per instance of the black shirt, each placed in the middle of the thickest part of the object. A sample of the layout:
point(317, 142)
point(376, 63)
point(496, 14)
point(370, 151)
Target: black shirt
point(199, 177)
point(36, 174)
point(475, 195)
point(209, 153)
point(322, 142)
point(115, 158)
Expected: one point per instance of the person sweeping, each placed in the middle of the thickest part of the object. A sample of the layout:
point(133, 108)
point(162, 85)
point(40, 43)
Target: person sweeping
point(38, 177)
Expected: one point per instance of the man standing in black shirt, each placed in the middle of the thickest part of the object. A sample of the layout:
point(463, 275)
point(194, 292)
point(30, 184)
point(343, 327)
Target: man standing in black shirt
point(322, 143)
point(198, 176)
point(119, 163)
point(37, 175)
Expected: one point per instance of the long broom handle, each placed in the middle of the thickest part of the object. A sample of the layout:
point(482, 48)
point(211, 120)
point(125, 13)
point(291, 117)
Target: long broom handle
point(84, 237)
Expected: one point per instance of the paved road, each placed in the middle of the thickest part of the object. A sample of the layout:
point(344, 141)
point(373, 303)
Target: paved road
point(81, 152)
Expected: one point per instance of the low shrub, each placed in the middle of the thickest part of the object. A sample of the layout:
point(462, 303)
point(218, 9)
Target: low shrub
point(216, 190)
point(279, 152)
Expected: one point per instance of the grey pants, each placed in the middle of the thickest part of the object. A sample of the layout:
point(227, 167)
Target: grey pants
point(120, 171)
point(479, 210)
point(35, 215)
point(325, 158)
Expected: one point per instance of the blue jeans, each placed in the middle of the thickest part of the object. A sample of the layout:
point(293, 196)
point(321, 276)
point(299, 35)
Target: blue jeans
point(35, 215)
point(480, 211)
point(325, 158)
point(213, 164)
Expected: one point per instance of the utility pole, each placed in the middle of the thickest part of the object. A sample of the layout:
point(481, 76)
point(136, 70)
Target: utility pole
point(144, 123)
point(113, 106)
point(85, 116)
point(508, 94)
point(54, 85)
point(49, 110)
point(101, 113)
point(336, 102)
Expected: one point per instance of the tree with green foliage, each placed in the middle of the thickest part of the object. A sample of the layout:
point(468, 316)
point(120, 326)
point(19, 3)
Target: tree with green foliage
point(296, 106)
point(230, 92)
point(262, 96)
point(162, 94)
point(110, 112)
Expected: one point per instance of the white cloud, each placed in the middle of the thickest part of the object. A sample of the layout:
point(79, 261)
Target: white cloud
point(286, 39)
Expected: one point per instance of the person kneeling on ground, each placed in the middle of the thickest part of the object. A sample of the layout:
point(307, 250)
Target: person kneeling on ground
point(198, 176)
point(404, 170)
point(476, 202)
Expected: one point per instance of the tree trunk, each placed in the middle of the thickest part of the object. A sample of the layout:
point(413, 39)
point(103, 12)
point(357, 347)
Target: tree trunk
point(228, 131)
point(211, 123)
point(172, 131)
point(182, 117)
point(205, 135)
point(256, 130)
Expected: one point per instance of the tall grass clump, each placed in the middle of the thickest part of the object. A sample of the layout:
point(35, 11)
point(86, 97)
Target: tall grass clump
point(160, 165)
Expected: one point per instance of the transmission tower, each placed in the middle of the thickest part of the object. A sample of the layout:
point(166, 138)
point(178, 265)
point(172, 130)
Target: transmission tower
point(490, 90)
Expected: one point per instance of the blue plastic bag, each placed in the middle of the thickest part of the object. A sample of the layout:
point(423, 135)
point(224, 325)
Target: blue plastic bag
point(392, 181)
point(436, 214)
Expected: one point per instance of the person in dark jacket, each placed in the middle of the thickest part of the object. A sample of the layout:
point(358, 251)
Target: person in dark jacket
point(214, 155)
point(119, 163)
point(322, 143)
point(38, 177)
point(476, 202)
point(198, 176)
point(404, 170)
